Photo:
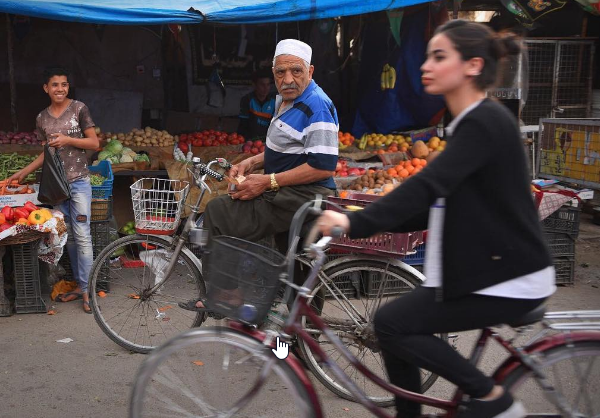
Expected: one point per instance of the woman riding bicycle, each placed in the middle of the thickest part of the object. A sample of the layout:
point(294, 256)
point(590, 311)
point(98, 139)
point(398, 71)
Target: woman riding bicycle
point(486, 261)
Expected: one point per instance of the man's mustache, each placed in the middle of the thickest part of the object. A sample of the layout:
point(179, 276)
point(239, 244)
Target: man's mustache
point(289, 86)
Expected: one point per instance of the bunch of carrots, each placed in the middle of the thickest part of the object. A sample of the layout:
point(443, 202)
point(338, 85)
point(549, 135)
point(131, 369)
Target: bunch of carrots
point(14, 187)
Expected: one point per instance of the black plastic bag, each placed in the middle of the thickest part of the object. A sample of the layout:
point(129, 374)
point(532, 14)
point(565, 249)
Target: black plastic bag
point(54, 188)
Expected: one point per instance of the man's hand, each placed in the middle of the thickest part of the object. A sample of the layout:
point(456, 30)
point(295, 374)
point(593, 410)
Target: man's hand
point(59, 140)
point(253, 186)
point(243, 168)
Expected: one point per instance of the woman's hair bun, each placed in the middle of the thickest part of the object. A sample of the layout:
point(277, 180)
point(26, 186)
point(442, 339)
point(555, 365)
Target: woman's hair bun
point(507, 43)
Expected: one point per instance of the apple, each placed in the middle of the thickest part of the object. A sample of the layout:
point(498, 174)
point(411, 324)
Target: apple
point(262, 148)
point(258, 143)
point(249, 143)
point(343, 174)
point(353, 171)
point(254, 150)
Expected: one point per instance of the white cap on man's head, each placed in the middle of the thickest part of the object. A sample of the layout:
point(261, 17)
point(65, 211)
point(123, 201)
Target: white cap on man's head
point(294, 47)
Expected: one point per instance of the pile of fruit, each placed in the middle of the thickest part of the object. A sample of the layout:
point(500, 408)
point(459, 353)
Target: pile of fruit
point(253, 147)
point(378, 182)
point(211, 138)
point(342, 170)
point(114, 152)
point(394, 143)
point(28, 214)
point(428, 150)
point(345, 139)
point(128, 228)
point(147, 137)
point(21, 138)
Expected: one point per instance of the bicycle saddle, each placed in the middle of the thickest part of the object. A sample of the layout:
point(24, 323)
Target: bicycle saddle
point(530, 317)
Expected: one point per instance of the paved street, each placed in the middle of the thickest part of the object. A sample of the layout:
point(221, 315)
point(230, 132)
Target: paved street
point(91, 376)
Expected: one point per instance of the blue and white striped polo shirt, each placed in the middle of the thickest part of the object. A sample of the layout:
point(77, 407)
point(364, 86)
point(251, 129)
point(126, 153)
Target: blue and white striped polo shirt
point(306, 132)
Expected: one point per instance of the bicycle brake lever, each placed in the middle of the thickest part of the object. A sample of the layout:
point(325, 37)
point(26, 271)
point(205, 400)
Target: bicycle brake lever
point(224, 163)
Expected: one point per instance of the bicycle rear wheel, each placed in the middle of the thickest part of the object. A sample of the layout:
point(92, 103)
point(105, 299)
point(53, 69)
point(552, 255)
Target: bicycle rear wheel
point(126, 311)
point(205, 371)
point(347, 298)
point(573, 369)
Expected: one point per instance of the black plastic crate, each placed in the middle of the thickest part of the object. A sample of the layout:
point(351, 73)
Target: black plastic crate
point(565, 270)
point(560, 245)
point(391, 286)
point(348, 285)
point(100, 232)
point(564, 220)
point(26, 269)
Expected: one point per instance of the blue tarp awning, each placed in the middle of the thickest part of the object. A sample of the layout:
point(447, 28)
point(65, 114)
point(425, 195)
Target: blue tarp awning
point(147, 12)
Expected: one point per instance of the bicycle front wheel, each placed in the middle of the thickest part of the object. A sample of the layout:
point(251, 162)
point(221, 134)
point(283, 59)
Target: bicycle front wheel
point(205, 372)
point(347, 298)
point(573, 370)
point(120, 282)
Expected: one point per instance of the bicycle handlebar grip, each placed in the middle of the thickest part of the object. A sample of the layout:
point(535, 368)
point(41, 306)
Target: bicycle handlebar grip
point(212, 173)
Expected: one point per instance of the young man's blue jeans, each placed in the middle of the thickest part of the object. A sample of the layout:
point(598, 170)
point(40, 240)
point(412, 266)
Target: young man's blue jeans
point(77, 211)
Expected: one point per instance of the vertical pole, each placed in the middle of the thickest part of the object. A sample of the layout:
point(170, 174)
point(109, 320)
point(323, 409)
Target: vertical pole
point(11, 76)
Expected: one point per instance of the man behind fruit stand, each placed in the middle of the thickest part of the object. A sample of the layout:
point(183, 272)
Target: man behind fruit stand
point(257, 107)
point(299, 160)
point(68, 127)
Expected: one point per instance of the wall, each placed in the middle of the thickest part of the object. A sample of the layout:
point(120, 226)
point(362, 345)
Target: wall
point(99, 57)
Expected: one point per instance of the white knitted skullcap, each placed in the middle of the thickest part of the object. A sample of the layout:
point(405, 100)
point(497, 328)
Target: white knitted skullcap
point(294, 47)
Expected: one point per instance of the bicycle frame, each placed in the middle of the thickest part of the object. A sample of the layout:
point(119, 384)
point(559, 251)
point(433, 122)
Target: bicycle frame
point(180, 239)
point(518, 356)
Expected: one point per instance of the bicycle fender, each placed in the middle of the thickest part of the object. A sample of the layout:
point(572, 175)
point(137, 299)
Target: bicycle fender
point(358, 257)
point(197, 262)
point(291, 360)
point(547, 343)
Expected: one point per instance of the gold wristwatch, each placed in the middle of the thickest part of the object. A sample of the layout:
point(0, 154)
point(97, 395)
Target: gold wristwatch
point(274, 185)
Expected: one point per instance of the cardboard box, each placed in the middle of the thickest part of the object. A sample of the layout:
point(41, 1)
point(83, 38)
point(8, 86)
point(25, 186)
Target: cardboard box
point(20, 199)
point(421, 134)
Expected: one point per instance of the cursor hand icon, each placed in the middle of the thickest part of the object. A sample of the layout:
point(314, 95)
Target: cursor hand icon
point(281, 349)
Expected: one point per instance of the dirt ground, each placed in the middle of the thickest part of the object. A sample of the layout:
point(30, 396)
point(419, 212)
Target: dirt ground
point(91, 376)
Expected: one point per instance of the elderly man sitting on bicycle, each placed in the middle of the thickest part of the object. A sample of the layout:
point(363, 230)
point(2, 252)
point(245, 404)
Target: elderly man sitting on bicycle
point(299, 159)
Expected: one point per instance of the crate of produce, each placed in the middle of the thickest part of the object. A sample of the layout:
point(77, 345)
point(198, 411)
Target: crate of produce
point(101, 209)
point(102, 190)
point(565, 220)
point(26, 267)
point(560, 245)
point(381, 244)
point(565, 270)
point(391, 286)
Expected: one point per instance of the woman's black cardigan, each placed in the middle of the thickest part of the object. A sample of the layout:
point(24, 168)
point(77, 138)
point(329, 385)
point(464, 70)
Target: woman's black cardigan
point(491, 230)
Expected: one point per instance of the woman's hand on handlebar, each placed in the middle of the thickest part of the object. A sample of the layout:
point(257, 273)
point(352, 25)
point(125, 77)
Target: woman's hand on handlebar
point(330, 219)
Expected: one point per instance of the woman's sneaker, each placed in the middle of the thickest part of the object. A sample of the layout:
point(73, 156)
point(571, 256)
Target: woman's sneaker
point(503, 407)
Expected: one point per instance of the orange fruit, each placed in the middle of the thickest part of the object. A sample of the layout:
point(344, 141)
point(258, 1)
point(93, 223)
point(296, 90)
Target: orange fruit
point(344, 194)
point(380, 151)
point(403, 148)
point(423, 163)
point(404, 173)
point(416, 161)
point(370, 191)
point(410, 169)
point(416, 170)
point(398, 167)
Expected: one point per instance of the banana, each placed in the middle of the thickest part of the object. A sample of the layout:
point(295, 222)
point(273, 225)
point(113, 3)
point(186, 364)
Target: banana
point(354, 208)
point(392, 78)
point(385, 77)
point(363, 142)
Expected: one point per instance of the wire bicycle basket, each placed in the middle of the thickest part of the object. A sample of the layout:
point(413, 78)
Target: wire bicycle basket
point(242, 278)
point(157, 205)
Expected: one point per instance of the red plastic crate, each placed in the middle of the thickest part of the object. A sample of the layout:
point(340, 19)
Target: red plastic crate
point(385, 243)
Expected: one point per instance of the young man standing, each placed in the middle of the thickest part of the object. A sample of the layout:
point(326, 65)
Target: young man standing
point(68, 128)
point(257, 107)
